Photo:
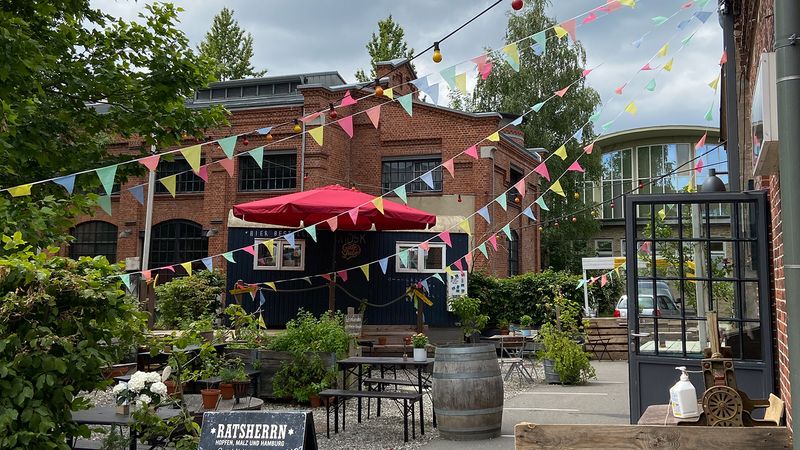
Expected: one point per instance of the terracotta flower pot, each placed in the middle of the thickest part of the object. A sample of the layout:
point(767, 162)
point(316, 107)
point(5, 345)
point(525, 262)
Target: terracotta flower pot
point(227, 390)
point(210, 397)
point(240, 389)
point(315, 401)
point(381, 340)
point(503, 332)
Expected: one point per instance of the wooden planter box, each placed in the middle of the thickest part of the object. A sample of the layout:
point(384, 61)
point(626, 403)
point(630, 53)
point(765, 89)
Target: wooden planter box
point(270, 363)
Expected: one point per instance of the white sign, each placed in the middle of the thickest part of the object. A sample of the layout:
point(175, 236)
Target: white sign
point(456, 286)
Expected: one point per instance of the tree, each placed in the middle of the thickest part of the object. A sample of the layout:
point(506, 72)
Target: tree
point(231, 49)
point(74, 80)
point(556, 123)
point(388, 44)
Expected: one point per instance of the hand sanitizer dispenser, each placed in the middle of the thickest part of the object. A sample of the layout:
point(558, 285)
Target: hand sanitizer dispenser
point(683, 397)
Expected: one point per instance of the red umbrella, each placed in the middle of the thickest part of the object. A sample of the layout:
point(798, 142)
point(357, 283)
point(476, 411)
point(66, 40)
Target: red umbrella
point(318, 205)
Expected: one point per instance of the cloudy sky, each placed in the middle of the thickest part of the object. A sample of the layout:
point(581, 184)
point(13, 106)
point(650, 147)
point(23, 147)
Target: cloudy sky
point(318, 35)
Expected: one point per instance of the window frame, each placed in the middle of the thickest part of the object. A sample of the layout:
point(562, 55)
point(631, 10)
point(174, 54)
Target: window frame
point(185, 176)
point(414, 185)
point(402, 245)
point(247, 165)
point(513, 254)
point(111, 230)
point(280, 244)
point(610, 242)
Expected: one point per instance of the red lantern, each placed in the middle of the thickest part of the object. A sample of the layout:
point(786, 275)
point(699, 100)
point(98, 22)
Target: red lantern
point(517, 5)
point(245, 141)
point(611, 205)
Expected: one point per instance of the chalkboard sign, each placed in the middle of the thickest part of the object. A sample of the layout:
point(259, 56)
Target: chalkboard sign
point(250, 430)
point(353, 324)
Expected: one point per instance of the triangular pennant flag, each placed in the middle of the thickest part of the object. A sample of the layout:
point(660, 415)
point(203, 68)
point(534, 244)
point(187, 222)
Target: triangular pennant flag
point(575, 167)
point(333, 223)
point(151, 162)
point(458, 265)
point(468, 260)
point(710, 114)
point(628, 3)
point(343, 275)
point(104, 202)
point(724, 58)
point(290, 239)
point(659, 20)
point(702, 16)
point(67, 182)
point(561, 152)
point(208, 262)
point(346, 123)
point(461, 81)
point(187, 266)
point(406, 102)
point(663, 51)
point(494, 137)
point(424, 245)
point(484, 212)
point(689, 4)
point(264, 130)
point(631, 109)
point(562, 92)
point(482, 249)
point(365, 270)
point(229, 257)
point(578, 135)
point(484, 67)
point(507, 230)
point(424, 284)
point(517, 122)
point(450, 166)
point(312, 231)
point(389, 93)
point(227, 144)
point(464, 225)
point(227, 164)
point(106, 176)
point(445, 237)
point(538, 107)
point(169, 183)
point(662, 213)
point(699, 166)
point(645, 247)
point(541, 169)
point(126, 280)
point(493, 241)
point(603, 280)
point(203, 173)
point(374, 115)
point(685, 41)
point(646, 67)
point(594, 118)
point(701, 142)
point(403, 257)
point(651, 85)
point(250, 249)
point(353, 213)
point(269, 284)
point(668, 65)
point(421, 83)
point(580, 283)
point(258, 155)
point(512, 56)
point(588, 149)
point(449, 271)
point(714, 83)
point(586, 72)
point(427, 178)
point(378, 202)
point(449, 76)
point(318, 135)
point(683, 24)
point(384, 263)
point(618, 90)
point(502, 200)
point(520, 187)
point(310, 117)
point(607, 125)
point(528, 212)
point(433, 93)
point(147, 274)
point(542, 205)
point(138, 193)
point(400, 191)
point(472, 151)
point(638, 43)
point(556, 187)
point(347, 100)
point(438, 277)
point(560, 31)
point(541, 39)
point(569, 26)
point(192, 155)
point(591, 17)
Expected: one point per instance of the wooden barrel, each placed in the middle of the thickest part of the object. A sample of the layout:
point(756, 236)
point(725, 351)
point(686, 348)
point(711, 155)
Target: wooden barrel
point(467, 392)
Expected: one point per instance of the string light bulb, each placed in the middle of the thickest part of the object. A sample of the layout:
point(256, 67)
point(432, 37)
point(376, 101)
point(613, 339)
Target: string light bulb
point(332, 114)
point(518, 199)
point(437, 54)
point(555, 224)
point(574, 219)
point(611, 205)
point(246, 141)
point(297, 127)
point(577, 195)
point(269, 137)
point(516, 5)
point(541, 228)
point(595, 213)
point(378, 91)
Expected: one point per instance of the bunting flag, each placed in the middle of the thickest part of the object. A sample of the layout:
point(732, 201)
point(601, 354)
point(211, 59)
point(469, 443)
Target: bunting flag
point(250, 249)
point(484, 212)
point(638, 43)
point(374, 115)
point(556, 187)
point(724, 58)
point(425, 246)
point(569, 26)
point(685, 41)
point(663, 51)
point(138, 193)
point(203, 173)
point(450, 166)
point(468, 260)
point(710, 113)
point(438, 277)
point(645, 247)
point(265, 130)
point(421, 83)
point(310, 117)
point(575, 167)
point(406, 102)
point(147, 274)
point(631, 109)
point(594, 118)
point(651, 85)
point(588, 149)
point(229, 257)
point(227, 164)
point(378, 202)
point(517, 122)
point(561, 152)
point(104, 201)
point(187, 266)
point(445, 237)
point(538, 107)
point(714, 83)
point(449, 76)
point(494, 137)
point(507, 230)
point(461, 81)
point(343, 275)
point(580, 283)
point(347, 100)
point(541, 169)
point(562, 92)
point(528, 212)
point(427, 178)
point(126, 280)
point(151, 162)
point(511, 53)
point(586, 72)
point(646, 67)
point(520, 187)
point(607, 125)
point(333, 223)
point(458, 265)
point(628, 3)
point(389, 93)
point(591, 17)
point(464, 225)
point(482, 249)
point(560, 31)
point(668, 65)
point(227, 144)
point(472, 151)
point(400, 191)
point(541, 39)
point(502, 200)
point(318, 135)
point(169, 183)
point(192, 155)
point(106, 176)
point(365, 270)
point(67, 182)
point(403, 257)
point(702, 16)
point(659, 20)
point(603, 280)
point(290, 239)
point(493, 241)
point(699, 166)
point(683, 24)
point(312, 231)
point(542, 205)
point(662, 213)
point(327, 277)
point(271, 285)
point(618, 90)
point(346, 123)
point(433, 92)
point(384, 263)
point(353, 213)
point(258, 155)
point(701, 142)
point(208, 262)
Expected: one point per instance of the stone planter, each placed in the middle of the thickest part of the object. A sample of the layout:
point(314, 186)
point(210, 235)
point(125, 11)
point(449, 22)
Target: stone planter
point(420, 354)
point(550, 374)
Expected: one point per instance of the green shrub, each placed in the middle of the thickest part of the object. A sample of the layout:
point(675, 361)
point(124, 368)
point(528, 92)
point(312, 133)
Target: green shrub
point(56, 314)
point(305, 375)
point(561, 337)
point(187, 299)
point(468, 311)
point(306, 333)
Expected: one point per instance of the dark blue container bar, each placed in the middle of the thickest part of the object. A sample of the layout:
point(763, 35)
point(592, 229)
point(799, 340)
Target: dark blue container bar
point(359, 248)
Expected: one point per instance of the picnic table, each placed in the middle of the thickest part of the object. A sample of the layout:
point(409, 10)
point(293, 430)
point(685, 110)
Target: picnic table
point(107, 415)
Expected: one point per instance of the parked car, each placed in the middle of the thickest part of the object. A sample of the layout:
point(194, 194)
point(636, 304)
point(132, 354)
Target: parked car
point(667, 306)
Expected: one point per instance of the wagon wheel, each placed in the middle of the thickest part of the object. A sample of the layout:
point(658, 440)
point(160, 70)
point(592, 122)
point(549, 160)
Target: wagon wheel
point(722, 406)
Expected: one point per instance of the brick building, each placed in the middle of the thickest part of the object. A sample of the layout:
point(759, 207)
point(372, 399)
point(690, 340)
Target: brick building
point(195, 223)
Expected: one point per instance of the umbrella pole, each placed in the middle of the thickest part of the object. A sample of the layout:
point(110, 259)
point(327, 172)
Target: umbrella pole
point(332, 283)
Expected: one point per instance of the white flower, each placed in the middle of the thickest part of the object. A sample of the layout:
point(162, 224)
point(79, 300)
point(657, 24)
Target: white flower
point(120, 387)
point(144, 399)
point(159, 388)
point(153, 377)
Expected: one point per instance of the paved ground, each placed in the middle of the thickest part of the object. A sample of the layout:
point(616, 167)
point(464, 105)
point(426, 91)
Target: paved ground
point(604, 400)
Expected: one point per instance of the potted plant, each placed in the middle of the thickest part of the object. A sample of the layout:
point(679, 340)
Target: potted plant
point(565, 361)
point(382, 340)
point(226, 374)
point(525, 322)
point(210, 397)
point(470, 318)
point(420, 341)
point(503, 325)
point(240, 381)
point(204, 327)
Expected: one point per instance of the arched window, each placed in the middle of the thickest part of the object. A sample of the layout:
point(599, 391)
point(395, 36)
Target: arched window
point(175, 242)
point(513, 254)
point(94, 238)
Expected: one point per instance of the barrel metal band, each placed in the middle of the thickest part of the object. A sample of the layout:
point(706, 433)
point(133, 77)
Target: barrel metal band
point(468, 412)
point(468, 430)
point(463, 376)
point(460, 358)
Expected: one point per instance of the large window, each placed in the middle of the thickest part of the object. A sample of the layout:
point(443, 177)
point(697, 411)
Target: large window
point(617, 179)
point(284, 256)
point(513, 254)
point(185, 182)
point(93, 239)
point(419, 260)
point(177, 241)
point(604, 247)
point(514, 176)
point(396, 172)
point(279, 172)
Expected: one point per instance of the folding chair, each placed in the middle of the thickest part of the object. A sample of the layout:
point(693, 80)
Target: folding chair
point(511, 352)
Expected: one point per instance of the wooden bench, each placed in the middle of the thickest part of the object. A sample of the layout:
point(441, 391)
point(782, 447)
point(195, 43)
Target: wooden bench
point(340, 397)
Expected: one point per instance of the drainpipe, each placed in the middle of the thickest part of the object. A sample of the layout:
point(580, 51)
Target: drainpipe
point(303, 153)
point(787, 58)
point(731, 103)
